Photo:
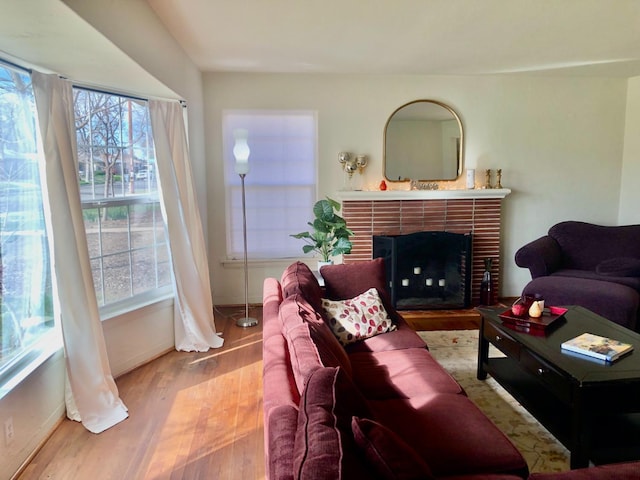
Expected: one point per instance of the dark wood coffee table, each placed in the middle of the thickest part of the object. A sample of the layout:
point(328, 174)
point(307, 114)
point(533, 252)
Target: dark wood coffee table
point(590, 407)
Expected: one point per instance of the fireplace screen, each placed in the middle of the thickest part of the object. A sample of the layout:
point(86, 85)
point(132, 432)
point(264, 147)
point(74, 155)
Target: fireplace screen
point(427, 270)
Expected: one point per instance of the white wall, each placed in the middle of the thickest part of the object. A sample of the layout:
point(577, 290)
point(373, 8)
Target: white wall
point(629, 192)
point(36, 406)
point(559, 143)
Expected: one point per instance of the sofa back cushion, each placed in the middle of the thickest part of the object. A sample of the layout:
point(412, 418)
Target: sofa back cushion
point(299, 279)
point(349, 280)
point(324, 444)
point(585, 245)
point(310, 342)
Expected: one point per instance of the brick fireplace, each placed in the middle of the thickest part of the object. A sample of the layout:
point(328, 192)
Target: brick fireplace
point(477, 212)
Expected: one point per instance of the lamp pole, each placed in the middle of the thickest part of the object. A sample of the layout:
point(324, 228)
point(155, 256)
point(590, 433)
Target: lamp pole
point(247, 321)
point(241, 153)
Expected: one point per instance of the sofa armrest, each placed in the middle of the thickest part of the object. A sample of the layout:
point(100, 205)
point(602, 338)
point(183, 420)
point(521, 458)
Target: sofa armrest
point(542, 256)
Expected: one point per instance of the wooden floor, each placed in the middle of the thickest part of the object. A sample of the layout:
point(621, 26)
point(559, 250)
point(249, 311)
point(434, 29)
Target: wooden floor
point(191, 416)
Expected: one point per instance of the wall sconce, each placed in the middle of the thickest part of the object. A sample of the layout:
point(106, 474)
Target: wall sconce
point(350, 165)
point(361, 162)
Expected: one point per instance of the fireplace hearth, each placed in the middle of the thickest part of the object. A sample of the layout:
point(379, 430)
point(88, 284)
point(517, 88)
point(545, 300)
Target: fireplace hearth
point(427, 270)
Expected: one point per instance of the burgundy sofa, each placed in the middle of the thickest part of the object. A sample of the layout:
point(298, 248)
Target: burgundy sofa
point(377, 406)
point(595, 266)
point(381, 407)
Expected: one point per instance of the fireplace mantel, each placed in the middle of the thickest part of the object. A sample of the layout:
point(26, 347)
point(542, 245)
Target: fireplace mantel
point(378, 195)
point(394, 212)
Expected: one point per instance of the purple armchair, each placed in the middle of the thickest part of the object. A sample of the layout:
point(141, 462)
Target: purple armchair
point(595, 266)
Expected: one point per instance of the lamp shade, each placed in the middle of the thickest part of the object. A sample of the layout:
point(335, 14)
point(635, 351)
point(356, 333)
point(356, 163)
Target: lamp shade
point(241, 151)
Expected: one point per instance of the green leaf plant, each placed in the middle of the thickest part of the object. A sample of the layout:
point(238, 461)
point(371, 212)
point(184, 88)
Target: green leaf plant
point(330, 235)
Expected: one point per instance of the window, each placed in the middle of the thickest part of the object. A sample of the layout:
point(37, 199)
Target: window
point(119, 192)
point(26, 301)
point(280, 187)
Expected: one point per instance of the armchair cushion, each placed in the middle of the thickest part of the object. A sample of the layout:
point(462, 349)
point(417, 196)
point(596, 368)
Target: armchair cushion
point(619, 267)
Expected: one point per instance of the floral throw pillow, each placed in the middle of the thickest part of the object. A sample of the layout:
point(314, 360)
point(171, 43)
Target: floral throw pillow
point(357, 318)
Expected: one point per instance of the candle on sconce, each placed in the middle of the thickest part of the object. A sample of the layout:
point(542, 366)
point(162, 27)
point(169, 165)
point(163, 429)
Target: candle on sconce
point(429, 282)
point(417, 270)
point(441, 282)
point(405, 282)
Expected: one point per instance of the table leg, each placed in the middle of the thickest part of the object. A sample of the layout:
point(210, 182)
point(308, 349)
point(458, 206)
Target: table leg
point(580, 429)
point(483, 352)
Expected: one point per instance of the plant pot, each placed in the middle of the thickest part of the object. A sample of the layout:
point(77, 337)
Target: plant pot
point(322, 264)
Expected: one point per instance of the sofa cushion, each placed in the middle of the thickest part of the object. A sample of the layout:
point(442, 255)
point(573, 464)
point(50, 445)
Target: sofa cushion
point(324, 444)
point(451, 434)
point(310, 342)
point(400, 374)
point(404, 336)
point(332, 354)
point(298, 278)
point(619, 267)
point(355, 319)
point(347, 280)
point(392, 458)
point(344, 281)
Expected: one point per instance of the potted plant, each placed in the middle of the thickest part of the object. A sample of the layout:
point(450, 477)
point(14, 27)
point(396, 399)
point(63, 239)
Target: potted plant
point(330, 235)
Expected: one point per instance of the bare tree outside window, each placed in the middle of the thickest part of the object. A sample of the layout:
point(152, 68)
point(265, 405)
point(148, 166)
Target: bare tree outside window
point(119, 191)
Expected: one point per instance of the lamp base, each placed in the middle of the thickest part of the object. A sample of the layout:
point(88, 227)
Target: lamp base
point(247, 322)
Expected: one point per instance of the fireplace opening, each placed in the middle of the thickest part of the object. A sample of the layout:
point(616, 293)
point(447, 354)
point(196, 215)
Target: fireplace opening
point(427, 270)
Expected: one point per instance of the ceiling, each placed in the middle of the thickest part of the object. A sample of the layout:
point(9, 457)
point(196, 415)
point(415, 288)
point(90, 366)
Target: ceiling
point(41, 34)
point(434, 37)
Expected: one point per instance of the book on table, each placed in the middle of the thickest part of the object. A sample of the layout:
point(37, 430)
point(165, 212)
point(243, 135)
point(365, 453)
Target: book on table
point(597, 346)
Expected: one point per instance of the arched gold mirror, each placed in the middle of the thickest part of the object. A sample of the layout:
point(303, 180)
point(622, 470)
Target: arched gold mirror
point(423, 140)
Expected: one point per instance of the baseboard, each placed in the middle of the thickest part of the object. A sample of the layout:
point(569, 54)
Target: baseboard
point(461, 319)
point(465, 319)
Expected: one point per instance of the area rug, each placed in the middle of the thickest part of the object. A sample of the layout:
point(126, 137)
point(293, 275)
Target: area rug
point(457, 351)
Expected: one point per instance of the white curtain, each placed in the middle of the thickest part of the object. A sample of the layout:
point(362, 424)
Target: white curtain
point(92, 396)
point(194, 323)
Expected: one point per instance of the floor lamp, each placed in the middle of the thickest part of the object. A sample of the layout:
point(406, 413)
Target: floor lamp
point(241, 153)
